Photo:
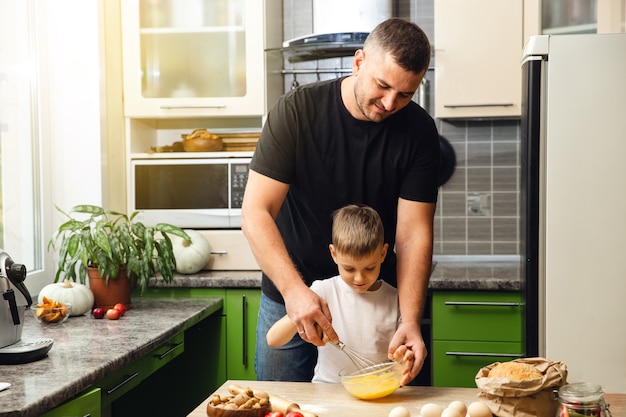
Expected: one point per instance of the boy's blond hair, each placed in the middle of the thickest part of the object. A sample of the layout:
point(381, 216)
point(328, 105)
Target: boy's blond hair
point(357, 230)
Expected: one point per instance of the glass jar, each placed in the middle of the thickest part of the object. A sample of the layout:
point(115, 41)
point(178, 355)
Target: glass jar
point(582, 399)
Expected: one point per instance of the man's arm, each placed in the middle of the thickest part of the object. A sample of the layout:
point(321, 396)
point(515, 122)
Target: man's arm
point(262, 201)
point(414, 249)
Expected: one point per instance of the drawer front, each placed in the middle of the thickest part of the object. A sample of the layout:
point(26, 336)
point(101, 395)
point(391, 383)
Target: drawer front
point(477, 316)
point(87, 405)
point(160, 356)
point(122, 381)
point(229, 251)
point(455, 364)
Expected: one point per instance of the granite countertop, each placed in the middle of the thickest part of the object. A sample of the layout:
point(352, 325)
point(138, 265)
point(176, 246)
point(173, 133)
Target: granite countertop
point(212, 279)
point(460, 273)
point(86, 350)
point(476, 273)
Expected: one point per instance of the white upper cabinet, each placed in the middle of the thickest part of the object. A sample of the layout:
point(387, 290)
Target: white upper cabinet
point(583, 16)
point(196, 58)
point(478, 46)
point(611, 16)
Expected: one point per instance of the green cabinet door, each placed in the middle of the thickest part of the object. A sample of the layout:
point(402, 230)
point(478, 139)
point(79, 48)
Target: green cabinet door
point(87, 404)
point(184, 382)
point(472, 329)
point(456, 363)
point(475, 315)
point(238, 332)
point(242, 310)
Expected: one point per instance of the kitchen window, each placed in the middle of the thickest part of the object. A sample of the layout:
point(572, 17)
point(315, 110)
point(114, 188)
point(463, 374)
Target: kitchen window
point(50, 123)
point(21, 202)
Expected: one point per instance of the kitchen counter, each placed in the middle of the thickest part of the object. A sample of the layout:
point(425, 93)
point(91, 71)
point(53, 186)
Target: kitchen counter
point(464, 273)
point(328, 400)
point(86, 350)
point(476, 273)
point(212, 279)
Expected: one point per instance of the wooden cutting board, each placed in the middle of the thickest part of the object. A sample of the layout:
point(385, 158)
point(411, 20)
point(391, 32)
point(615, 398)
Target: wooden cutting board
point(234, 142)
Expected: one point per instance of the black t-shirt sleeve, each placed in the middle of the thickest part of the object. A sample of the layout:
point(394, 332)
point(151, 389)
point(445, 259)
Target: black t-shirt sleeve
point(275, 152)
point(421, 182)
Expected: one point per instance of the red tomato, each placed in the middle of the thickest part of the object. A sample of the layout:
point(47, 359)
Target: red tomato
point(121, 308)
point(274, 414)
point(294, 414)
point(113, 314)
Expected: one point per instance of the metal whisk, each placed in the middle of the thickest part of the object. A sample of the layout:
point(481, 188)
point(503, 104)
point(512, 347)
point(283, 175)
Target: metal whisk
point(359, 360)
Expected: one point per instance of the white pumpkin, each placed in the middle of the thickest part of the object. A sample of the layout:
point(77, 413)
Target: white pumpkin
point(74, 293)
point(192, 256)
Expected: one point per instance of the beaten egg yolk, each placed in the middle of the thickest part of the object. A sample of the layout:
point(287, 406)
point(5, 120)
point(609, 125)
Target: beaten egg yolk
point(371, 387)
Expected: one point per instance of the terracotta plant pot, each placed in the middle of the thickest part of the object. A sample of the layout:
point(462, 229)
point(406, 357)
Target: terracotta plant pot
point(106, 295)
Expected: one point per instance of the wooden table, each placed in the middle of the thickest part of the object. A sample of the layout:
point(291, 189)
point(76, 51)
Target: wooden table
point(328, 400)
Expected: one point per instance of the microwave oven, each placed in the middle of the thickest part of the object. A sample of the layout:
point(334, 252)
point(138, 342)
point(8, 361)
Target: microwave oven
point(202, 193)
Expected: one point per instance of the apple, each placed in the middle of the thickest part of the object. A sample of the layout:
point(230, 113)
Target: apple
point(121, 308)
point(294, 414)
point(113, 314)
point(98, 313)
point(274, 414)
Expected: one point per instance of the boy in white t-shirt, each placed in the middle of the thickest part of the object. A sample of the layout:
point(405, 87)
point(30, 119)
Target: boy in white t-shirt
point(364, 308)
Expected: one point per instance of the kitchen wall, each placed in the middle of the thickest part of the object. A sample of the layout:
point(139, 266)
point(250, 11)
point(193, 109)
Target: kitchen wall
point(477, 212)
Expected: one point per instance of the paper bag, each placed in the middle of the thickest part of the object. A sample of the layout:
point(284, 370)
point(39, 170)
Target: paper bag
point(528, 398)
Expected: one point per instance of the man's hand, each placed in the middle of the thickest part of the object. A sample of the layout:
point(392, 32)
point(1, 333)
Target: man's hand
point(409, 337)
point(407, 358)
point(310, 313)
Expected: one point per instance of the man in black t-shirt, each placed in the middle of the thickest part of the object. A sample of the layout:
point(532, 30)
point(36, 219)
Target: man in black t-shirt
point(359, 139)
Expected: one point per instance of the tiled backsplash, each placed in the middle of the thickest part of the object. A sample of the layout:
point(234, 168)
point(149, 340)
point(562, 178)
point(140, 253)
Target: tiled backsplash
point(477, 212)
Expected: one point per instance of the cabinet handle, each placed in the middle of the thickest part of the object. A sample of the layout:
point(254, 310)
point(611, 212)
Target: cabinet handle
point(216, 106)
point(318, 71)
point(455, 106)
point(506, 355)
point(482, 303)
point(244, 325)
point(219, 252)
point(169, 351)
point(127, 379)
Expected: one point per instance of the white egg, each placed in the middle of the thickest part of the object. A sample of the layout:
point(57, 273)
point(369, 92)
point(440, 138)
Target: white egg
point(451, 412)
point(459, 406)
point(478, 409)
point(399, 412)
point(431, 410)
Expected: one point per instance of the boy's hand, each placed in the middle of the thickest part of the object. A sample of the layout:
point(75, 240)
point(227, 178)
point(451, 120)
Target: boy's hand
point(405, 356)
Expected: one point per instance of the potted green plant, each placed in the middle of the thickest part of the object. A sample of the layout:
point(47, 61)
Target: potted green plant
point(109, 243)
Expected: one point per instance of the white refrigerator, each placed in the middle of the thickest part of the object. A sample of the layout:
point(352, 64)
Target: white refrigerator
point(573, 204)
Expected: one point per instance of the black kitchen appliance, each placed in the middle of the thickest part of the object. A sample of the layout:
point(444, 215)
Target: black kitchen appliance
point(13, 304)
